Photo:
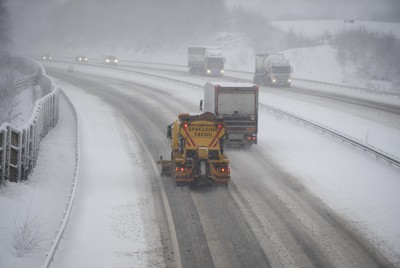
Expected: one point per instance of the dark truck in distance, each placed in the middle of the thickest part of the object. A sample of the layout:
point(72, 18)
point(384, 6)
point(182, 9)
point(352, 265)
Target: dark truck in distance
point(206, 60)
point(237, 104)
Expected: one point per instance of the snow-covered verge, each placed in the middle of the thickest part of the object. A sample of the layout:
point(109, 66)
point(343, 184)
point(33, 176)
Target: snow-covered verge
point(358, 187)
point(40, 201)
point(21, 226)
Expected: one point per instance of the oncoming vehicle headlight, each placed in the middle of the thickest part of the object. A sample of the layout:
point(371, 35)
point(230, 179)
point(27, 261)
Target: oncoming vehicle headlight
point(273, 80)
point(222, 71)
point(116, 60)
point(107, 60)
point(289, 80)
point(208, 71)
point(80, 58)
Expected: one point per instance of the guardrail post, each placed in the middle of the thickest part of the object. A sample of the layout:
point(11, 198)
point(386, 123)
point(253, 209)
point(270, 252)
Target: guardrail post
point(31, 151)
point(15, 144)
point(3, 150)
point(25, 154)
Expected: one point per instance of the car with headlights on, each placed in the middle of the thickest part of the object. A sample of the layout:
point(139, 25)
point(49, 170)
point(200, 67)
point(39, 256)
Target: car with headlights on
point(46, 57)
point(112, 60)
point(81, 58)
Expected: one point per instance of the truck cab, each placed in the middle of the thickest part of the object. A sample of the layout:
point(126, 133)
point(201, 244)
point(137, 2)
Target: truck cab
point(272, 70)
point(206, 60)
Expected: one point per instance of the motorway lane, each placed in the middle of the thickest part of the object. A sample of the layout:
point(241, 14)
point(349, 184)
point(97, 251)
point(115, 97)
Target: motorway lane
point(218, 227)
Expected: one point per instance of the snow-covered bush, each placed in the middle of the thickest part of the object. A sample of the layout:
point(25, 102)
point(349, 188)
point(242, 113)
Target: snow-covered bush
point(262, 35)
point(26, 233)
point(376, 55)
point(8, 96)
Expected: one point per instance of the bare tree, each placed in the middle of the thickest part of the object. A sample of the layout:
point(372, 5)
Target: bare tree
point(27, 233)
point(375, 55)
point(5, 31)
point(9, 97)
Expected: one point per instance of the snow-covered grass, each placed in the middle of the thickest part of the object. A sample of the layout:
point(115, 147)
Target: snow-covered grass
point(43, 197)
point(357, 186)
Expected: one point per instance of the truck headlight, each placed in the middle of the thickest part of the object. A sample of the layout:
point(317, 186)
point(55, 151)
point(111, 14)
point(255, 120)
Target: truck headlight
point(208, 71)
point(222, 71)
point(289, 80)
point(273, 80)
point(107, 60)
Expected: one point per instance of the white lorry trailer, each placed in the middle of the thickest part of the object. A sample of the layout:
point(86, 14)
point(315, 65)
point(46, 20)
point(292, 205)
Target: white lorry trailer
point(237, 104)
point(272, 70)
point(206, 60)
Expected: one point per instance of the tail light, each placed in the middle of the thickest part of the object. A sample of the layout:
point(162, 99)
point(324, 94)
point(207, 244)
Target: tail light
point(224, 170)
point(251, 138)
point(182, 169)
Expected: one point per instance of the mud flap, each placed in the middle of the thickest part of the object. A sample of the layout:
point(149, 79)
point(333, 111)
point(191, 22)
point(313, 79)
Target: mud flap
point(165, 167)
point(202, 181)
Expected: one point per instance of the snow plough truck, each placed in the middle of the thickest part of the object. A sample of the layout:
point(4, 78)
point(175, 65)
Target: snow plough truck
point(197, 156)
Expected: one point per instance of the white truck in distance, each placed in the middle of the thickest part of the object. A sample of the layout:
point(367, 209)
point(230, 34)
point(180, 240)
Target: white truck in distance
point(272, 70)
point(206, 60)
point(237, 104)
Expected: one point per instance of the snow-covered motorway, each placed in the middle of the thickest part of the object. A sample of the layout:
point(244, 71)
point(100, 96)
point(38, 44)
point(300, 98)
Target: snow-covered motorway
point(272, 214)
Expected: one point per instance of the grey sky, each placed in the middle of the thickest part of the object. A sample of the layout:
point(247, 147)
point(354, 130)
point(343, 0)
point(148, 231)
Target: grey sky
point(382, 10)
